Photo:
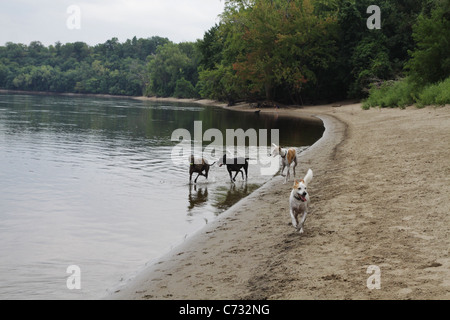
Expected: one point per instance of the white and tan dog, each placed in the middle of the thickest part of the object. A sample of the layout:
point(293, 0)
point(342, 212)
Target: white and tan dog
point(299, 200)
point(287, 158)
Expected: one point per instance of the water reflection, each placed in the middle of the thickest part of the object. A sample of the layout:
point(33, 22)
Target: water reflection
point(228, 196)
point(90, 181)
point(222, 197)
point(198, 197)
point(149, 122)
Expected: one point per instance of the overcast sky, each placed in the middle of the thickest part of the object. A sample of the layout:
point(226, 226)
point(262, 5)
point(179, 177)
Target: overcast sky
point(95, 21)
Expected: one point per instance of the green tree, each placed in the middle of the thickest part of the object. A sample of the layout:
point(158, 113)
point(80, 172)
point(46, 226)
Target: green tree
point(111, 67)
point(284, 43)
point(430, 61)
point(170, 64)
point(165, 68)
point(372, 56)
point(184, 89)
point(211, 48)
point(221, 83)
point(370, 64)
point(4, 71)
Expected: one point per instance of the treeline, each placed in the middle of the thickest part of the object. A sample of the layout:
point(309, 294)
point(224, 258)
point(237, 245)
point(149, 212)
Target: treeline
point(109, 68)
point(426, 78)
point(307, 51)
point(291, 51)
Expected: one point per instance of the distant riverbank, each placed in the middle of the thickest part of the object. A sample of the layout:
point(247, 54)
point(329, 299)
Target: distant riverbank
point(64, 94)
point(110, 96)
point(96, 95)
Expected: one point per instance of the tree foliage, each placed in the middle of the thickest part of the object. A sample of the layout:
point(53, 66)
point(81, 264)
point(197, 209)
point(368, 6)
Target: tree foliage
point(292, 51)
point(108, 68)
point(285, 43)
point(173, 70)
point(307, 50)
point(430, 61)
point(427, 80)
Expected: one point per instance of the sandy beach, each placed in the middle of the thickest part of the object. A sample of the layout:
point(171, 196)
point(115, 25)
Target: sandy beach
point(379, 197)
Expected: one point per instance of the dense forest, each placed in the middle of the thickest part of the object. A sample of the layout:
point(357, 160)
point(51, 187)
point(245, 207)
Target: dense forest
point(109, 68)
point(290, 51)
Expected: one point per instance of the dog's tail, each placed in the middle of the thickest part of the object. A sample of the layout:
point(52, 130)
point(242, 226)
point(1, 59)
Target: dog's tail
point(308, 177)
point(212, 164)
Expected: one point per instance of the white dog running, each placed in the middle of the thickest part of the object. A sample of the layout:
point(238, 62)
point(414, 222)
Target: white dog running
point(298, 201)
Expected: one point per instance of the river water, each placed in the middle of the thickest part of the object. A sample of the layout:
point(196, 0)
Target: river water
point(91, 182)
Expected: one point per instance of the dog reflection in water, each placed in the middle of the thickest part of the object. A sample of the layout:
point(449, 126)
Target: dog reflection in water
point(233, 194)
point(197, 197)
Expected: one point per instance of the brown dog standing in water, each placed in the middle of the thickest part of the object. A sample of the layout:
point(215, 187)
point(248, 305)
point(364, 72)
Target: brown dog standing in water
point(198, 165)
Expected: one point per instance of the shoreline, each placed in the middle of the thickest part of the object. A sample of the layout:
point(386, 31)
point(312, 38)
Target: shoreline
point(370, 168)
point(193, 239)
point(135, 287)
point(379, 197)
point(65, 94)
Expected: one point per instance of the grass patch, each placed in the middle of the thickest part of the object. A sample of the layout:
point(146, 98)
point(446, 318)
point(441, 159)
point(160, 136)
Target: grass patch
point(437, 94)
point(403, 93)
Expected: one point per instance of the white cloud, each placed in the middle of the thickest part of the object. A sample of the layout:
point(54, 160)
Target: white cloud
point(45, 20)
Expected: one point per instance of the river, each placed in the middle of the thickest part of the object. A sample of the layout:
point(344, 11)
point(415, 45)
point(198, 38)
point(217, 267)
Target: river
point(92, 183)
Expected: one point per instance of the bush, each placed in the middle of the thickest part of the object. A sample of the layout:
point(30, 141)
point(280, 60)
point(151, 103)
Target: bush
point(437, 94)
point(391, 94)
point(428, 96)
point(404, 93)
point(430, 60)
point(443, 97)
point(185, 89)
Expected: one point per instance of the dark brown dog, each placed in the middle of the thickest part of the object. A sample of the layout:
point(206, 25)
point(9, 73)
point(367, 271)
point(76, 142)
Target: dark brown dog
point(198, 165)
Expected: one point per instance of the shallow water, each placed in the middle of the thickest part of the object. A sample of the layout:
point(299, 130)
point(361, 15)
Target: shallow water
point(90, 182)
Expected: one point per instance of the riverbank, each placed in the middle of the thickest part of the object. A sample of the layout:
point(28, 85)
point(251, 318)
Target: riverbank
point(66, 94)
point(379, 197)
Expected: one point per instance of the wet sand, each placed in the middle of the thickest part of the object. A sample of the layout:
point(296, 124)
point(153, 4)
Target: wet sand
point(380, 196)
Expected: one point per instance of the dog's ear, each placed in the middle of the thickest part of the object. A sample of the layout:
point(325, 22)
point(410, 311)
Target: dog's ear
point(296, 183)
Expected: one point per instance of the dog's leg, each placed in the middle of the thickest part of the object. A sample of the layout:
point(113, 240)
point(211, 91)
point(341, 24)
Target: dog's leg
point(282, 168)
point(288, 174)
point(300, 228)
point(231, 176)
point(295, 164)
point(237, 172)
point(195, 181)
point(294, 219)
